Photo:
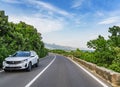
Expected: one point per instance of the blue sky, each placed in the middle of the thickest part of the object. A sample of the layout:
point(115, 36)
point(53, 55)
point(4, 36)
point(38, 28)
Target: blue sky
point(65, 22)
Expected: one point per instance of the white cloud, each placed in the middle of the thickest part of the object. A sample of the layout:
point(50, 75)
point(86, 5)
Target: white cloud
point(77, 3)
point(43, 25)
point(110, 20)
point(40, 5)
point(99, 13)
point(45, 20)
point(48, 7)
point(11, 1)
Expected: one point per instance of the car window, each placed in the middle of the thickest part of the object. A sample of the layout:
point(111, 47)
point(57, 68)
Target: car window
point(21, 54)
point(33, 53)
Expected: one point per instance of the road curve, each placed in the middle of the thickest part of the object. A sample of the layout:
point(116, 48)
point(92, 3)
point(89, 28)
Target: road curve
point(60, 73)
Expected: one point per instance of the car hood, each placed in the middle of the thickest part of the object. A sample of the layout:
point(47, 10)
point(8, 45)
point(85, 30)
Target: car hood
point(16, 58)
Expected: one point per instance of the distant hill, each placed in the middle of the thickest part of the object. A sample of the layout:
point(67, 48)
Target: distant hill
point(66, 48)
point(54, 46)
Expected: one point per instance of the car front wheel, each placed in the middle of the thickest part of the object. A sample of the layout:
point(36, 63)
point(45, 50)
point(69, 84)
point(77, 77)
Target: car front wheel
point(29, 67)
point(36, 65)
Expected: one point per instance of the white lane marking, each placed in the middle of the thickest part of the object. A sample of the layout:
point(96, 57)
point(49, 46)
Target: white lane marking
point(33, 80)
point(1, 71)
point(103, 84)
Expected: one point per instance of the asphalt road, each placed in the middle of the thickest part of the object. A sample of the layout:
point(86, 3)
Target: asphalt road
point(53, 71)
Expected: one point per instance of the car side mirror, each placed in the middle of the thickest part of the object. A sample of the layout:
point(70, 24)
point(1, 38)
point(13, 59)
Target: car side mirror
point(32, 56)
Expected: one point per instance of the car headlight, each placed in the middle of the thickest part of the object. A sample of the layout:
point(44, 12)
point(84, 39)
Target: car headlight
point(4, 62)
point(25, 60)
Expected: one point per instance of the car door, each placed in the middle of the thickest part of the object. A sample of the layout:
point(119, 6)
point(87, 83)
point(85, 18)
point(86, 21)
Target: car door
point(33, 58)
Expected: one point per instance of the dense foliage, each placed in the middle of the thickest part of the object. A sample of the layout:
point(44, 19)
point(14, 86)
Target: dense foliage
point(106, 52)
point(21, 36)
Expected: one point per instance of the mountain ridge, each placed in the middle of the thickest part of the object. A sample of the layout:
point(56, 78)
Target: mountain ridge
point(55, 46)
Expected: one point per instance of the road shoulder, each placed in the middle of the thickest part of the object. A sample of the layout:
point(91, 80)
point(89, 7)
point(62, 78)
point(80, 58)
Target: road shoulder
point(91, 73)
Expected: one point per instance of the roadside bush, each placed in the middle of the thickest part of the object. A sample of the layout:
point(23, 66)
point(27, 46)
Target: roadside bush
point(115, 67)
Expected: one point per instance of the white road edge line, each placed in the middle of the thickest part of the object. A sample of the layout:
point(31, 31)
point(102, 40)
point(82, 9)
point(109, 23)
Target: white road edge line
point(103, 84)
point(35, 78)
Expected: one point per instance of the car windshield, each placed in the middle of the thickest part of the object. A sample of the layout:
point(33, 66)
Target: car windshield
point(21, 54)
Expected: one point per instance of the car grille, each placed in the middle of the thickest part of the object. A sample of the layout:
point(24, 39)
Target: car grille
point(18, 67)
point(14, 67)
point(13, 62)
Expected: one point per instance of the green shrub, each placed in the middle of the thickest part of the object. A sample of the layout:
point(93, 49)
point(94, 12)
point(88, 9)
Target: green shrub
point(115, 67)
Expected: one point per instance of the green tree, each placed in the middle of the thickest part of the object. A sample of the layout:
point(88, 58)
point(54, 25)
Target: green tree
point(102, 52)
point(3, 23)
point(115, 36)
